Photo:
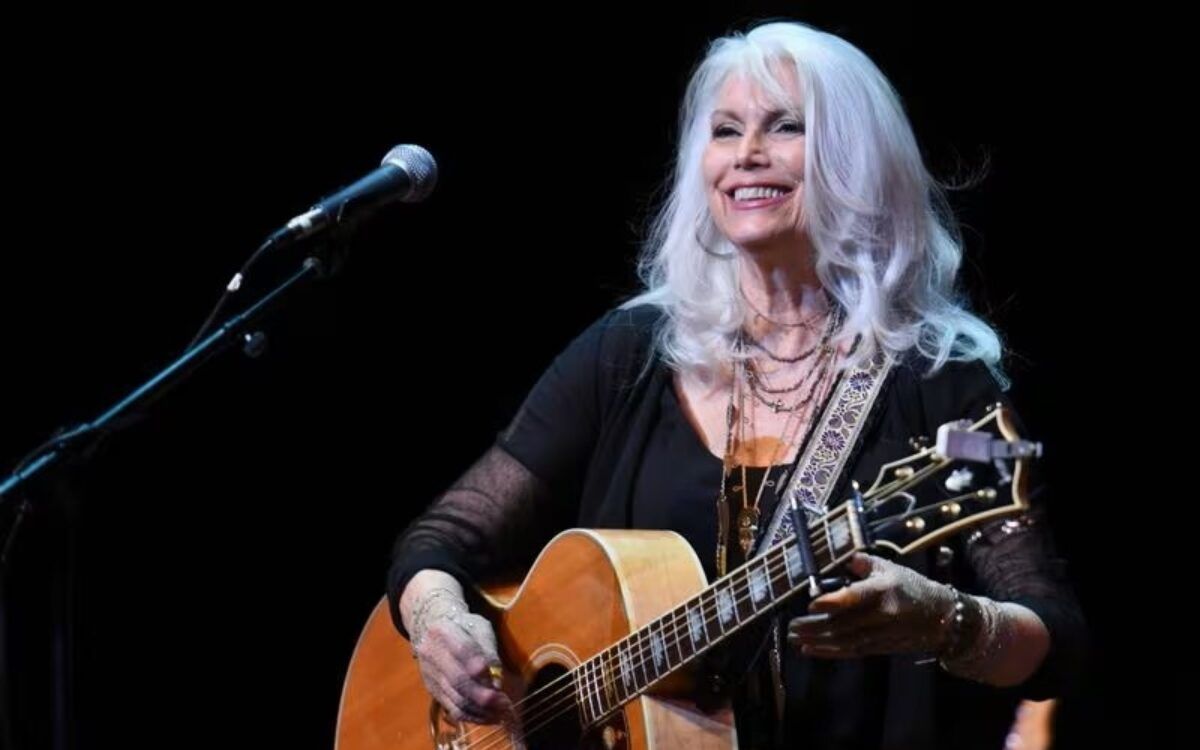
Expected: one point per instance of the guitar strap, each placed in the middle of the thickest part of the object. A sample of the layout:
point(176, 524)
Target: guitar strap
point(828, 449)
point(818, 468)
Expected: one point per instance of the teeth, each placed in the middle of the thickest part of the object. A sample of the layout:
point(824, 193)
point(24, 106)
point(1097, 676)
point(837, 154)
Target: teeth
point(754, 193)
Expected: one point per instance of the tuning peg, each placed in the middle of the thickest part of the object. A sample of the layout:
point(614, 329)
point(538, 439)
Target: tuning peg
point(960, 479)
point(951, 509)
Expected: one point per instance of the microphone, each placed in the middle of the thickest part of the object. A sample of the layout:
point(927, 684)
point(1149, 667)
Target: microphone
point(408, 174)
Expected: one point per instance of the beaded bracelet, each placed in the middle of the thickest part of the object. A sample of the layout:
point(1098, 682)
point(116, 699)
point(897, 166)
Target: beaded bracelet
point(975, 636)
point(955, 620)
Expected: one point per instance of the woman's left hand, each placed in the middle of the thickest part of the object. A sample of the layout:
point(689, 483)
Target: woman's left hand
point(891, 609)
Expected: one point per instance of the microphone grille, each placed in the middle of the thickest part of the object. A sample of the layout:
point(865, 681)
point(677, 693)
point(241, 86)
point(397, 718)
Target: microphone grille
point(419, 165)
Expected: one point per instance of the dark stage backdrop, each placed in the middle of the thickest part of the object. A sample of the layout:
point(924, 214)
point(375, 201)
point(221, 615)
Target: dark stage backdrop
point(231, 544)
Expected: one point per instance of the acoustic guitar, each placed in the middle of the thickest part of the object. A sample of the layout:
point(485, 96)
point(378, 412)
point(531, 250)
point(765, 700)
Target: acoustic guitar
point(597, 638)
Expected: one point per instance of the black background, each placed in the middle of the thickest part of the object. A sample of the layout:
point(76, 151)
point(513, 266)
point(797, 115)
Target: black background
point(231, 545)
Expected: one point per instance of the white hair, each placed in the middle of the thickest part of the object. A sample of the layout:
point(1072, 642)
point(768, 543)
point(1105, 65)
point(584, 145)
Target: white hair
point(888, 249)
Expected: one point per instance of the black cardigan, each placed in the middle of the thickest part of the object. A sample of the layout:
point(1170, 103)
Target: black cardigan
point(572, 457)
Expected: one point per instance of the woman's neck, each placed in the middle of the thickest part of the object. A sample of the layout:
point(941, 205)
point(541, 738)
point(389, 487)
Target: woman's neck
point(782, 294)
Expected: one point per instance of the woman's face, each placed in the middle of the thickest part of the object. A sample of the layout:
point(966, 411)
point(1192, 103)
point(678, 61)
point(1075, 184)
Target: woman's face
point(753, 166)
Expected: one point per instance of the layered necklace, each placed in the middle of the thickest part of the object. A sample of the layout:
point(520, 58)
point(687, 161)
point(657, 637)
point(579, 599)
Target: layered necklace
point(751, 385)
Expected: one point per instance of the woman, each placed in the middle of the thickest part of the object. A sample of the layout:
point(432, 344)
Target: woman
point(802, 239)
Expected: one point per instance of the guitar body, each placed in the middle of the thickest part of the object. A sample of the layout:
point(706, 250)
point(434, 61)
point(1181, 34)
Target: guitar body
point(587, 590)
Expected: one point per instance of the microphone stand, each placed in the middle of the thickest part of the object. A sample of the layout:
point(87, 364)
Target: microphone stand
point(76, 444)
point(65, 443)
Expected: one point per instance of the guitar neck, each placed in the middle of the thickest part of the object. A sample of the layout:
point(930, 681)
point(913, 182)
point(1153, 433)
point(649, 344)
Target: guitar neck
point(628, 668)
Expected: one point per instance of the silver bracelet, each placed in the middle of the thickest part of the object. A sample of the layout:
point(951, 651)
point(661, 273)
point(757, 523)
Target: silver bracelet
point(956, 622)
point(983, 638)
point(424, 603)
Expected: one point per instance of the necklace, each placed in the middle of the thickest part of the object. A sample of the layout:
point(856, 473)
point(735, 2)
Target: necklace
point(749, 514)
point(805, 323)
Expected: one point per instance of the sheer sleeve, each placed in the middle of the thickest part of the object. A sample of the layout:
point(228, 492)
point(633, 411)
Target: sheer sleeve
point(488, 523)
point(1015, 559)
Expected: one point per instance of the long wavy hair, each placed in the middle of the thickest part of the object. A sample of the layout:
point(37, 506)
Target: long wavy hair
point(888, 249)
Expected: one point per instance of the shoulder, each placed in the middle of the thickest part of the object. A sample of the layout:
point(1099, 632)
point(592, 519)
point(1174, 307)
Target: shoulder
point(622, 335)
point(956, 390)
point(631, 325)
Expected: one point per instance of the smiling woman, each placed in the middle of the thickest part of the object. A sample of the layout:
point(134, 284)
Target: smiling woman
point(754, 166)
point(799, 334)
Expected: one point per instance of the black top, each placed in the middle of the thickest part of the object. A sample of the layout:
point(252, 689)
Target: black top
point(602, 442)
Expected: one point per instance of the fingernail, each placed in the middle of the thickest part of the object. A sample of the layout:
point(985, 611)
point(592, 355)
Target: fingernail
point(811, 618)
point(808, 622)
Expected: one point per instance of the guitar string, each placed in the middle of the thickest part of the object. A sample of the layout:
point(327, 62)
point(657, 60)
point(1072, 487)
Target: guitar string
point(638, 652)
point(563, 702)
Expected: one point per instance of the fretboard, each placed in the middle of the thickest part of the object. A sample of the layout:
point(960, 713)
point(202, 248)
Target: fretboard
point(628, 668)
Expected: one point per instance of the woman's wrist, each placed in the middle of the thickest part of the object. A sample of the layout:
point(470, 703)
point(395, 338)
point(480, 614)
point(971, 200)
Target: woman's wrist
point(431, 605)
point(962, 627)
point(419, 597)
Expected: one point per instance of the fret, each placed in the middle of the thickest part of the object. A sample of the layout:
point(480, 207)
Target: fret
point(679, 630)
point(696, 628)
point(610, 699)
point(668, 636)
point(709, 615)
point(658, 650)
point(612, 674)
point(726, 611)
point(628, 676)
point(760, 586)
point(643, 654)
point(766, 564)
point(593, 690)
point(841, 538)
point(671, 639)
point(581, 694)
point(600, 687)
point(784, 581)
point(792, 563)
point(746, 608)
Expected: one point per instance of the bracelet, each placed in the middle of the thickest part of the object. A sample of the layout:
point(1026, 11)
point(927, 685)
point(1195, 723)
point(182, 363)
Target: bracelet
point(977, 640)
point(955, 621)
point(421, 609)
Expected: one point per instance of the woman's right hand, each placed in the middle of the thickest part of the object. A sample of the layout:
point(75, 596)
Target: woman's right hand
point(456, 650)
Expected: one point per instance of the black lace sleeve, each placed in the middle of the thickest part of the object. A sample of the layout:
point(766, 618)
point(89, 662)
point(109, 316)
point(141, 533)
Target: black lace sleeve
point(1016, 559)
point(488, 523)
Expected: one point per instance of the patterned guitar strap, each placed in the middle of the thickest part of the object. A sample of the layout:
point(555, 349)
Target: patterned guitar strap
point(818, 469)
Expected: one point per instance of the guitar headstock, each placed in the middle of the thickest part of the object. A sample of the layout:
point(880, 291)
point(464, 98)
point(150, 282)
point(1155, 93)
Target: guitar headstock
point(976, 471)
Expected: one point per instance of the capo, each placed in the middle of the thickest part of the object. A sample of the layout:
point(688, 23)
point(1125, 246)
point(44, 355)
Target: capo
point(807, 558)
